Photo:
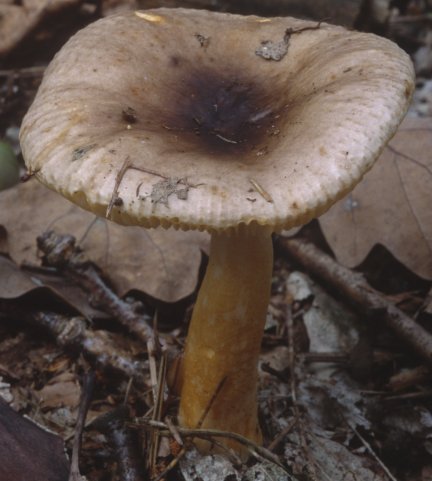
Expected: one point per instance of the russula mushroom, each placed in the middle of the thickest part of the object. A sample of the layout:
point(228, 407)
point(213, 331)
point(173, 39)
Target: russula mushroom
point(237, 125)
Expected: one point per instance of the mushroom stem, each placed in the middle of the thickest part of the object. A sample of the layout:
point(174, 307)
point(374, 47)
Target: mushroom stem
point(219, 370)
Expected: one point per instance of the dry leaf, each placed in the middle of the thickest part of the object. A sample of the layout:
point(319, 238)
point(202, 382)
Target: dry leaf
point(61, 390)
point(16, 282)
point(161, 263)
point(334, 461)
point(29, 452)
point(215, 467)
point(207, 468)
point(391, 206)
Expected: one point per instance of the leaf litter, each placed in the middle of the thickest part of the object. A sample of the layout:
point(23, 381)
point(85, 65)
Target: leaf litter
point(18, 438)
point(329, 398)
point(339, 429)
point(162, 263)
point(391, 206)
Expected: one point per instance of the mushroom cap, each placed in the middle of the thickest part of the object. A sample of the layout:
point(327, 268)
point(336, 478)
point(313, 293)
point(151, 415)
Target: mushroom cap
point(210, 120)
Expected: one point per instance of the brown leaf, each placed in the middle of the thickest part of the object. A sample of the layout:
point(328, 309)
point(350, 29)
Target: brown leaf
point(15, 283)
point(161, 263)
point(27, 451)
point(334, 461)
point(391, 206)
point(61, 390)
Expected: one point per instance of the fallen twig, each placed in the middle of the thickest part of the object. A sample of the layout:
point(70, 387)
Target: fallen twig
point(36, 71)
point(61, 252)
point(86, 396)
point(310, 466)
point(119, 177)
point(171, 465)
point(114, 425)
point(158, 399)
point(282, 435)
point(71, 333)
point(369, 449)
point(208, 434)
point(211, 402)
point(353, 286)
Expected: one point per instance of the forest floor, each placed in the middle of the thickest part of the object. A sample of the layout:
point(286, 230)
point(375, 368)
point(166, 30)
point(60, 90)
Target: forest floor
point(345, 390)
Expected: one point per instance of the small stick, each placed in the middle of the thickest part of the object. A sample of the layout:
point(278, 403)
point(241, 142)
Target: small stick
point(171, 465)
point(210, 403)
point(157, 411)
point(293, 386)
point(128, 390)
point(151, 350)
point(71, 333)
point(293, 31)
point(264, 194)
point(291, 352)
point(281, 436)
point(86, 396)
point(174, 431)
point(114, 425)
point(35, 71)
point(225, 139)
point(353, 286)
point(208, 434)
point(61, 252)
point(369, 448)
point(119, 177)
point(409, 396)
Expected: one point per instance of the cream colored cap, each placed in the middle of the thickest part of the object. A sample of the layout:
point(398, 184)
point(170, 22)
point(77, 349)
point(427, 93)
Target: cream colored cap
point(208, 120)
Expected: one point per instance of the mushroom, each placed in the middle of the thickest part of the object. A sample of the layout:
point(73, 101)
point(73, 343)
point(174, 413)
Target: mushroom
point(240, 126)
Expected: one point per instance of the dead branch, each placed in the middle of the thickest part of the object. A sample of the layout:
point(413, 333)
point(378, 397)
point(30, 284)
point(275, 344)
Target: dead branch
point(171, 465)
point(123, 441)
point(353, 286)
point(71, 333)
point(369, 449)
point(86, 396)
point(61, 252)
point(282, 435)
point(208, 434)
